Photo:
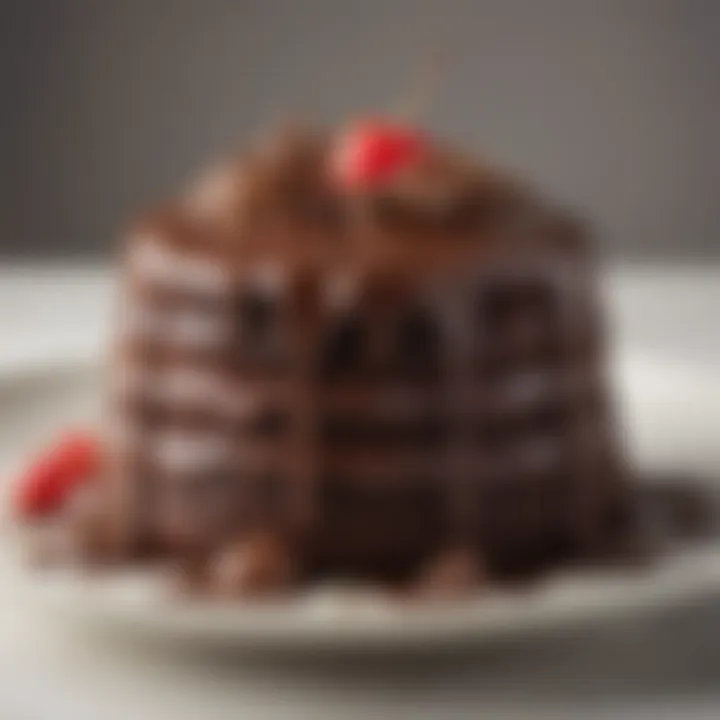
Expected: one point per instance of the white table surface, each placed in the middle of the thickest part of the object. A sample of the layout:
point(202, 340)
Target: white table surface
point(656, 667)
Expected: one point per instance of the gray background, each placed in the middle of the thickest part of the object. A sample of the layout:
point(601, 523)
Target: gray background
point(612, 105)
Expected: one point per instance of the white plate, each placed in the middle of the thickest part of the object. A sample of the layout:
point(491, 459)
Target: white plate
point(672, 413)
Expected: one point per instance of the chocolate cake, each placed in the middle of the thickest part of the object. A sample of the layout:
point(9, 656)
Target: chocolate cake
point(397, 380)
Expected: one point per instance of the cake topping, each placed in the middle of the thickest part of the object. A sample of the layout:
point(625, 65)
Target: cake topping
point(376, 195)
point(371, 153)
point(51, 480)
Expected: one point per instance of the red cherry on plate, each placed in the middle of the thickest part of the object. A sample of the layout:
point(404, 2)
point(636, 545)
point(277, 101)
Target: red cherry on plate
point(372, 152)
point(51, 479)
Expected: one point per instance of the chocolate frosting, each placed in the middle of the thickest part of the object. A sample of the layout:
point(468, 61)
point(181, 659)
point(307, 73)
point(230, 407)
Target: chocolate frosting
point(277, 205)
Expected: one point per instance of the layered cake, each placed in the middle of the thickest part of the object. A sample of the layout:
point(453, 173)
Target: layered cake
point(358, 354)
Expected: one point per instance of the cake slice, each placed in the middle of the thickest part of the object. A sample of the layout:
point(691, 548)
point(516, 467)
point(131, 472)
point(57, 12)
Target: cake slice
point(360, 354)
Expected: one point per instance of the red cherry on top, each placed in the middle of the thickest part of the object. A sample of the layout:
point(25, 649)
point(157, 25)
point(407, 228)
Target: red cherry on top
point(50, 480)
point(372, 152)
